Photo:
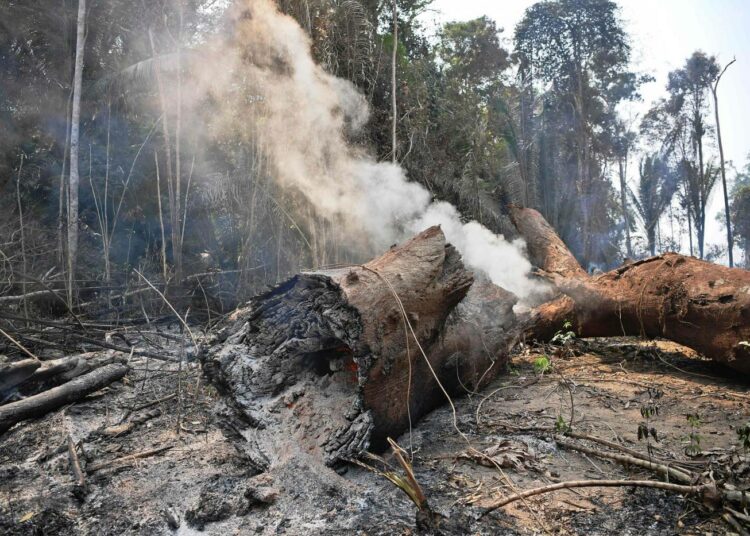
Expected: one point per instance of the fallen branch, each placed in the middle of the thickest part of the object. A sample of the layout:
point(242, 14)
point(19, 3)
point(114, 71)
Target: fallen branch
point(614, 446)
point(55, 367)
point(123, 428)
point(75, 465)
point(21, 297)
point(669, 472)
point(731, 520)
point(18, 344)
point(126, 459)
point(37, 405)
point(126, 350)
point(676, 488)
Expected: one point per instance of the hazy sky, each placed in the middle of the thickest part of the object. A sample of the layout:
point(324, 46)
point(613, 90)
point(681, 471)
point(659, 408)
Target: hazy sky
point(664, 33)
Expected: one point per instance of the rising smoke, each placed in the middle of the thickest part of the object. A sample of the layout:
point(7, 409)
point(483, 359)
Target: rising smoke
point(304, 116)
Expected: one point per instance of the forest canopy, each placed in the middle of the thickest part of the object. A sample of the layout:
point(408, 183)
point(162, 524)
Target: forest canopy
point(136, 168)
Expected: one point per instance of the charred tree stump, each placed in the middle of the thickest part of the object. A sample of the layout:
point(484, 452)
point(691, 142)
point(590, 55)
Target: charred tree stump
point(698, 304)
point(337, 357)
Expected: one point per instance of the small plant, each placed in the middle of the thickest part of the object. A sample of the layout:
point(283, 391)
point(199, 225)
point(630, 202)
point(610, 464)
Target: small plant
point(743, 434)
point(561, 427)
point(648, 411)
point(694, 446)
point(565, 338)
point(542, 364)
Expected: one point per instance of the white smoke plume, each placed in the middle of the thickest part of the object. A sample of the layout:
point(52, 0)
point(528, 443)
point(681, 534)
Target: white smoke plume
point(304, 115)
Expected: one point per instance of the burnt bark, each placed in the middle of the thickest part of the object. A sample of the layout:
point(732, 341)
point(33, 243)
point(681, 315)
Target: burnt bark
point(698, 304)
point(345, 358)
point(333, 362)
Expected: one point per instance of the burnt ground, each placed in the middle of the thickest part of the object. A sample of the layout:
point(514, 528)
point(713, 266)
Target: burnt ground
point(161, 458)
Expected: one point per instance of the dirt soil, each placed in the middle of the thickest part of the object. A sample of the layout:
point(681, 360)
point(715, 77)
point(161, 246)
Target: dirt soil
point(162, 456)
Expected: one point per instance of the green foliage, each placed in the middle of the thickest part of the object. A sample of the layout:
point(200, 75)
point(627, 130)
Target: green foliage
point(574, 60)
point(542, 364)
point(561, 427)
point(565, 336)
point(694, 438)
point(679, 125)
point(649, 409)
point(657, 185)
point(743, 435)
point(472, 53)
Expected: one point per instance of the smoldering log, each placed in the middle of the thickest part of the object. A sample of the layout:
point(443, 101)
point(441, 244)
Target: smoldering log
point(698, 304)
point(326, 363)
point(336, 360)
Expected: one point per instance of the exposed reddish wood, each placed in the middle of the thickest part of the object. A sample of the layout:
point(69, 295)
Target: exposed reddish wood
point(546, 249)
point(428, 279)
point(696, 303)
point(353, 326)
point(326, 363)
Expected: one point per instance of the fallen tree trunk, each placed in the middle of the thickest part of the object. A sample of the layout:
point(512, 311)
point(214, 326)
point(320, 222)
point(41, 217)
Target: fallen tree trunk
point(698, 304)
point(37, 405)
point(331, 362)
point(350, 356)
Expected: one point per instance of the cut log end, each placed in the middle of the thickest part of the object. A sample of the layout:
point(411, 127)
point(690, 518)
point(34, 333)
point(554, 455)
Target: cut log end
point(339, 354)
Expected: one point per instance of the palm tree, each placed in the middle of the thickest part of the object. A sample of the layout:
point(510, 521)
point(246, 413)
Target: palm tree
point(656, 187)
point(699, 187)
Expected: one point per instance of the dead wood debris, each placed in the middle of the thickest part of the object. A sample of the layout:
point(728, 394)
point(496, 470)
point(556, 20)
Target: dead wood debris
point(56, 397)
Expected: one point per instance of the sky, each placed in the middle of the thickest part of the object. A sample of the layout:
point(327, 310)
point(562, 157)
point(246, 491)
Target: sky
point(664, 33)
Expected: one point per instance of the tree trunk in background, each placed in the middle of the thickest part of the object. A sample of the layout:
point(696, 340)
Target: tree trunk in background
point(74, 144)
point(689, 220)
point(394, 107)
point(172, 181)
point(714, 92)
point(700, 223)
point(624, 202)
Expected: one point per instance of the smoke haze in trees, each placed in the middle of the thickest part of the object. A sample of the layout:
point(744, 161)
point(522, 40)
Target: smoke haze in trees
point(304, 116)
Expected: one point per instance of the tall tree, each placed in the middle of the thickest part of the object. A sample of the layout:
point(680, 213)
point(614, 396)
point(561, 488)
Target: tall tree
point(75, 123)
point(688, 87)
point(714, 86)
point(624, 139)
point(578, 53)
point(394, 107)
point(740, 210)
